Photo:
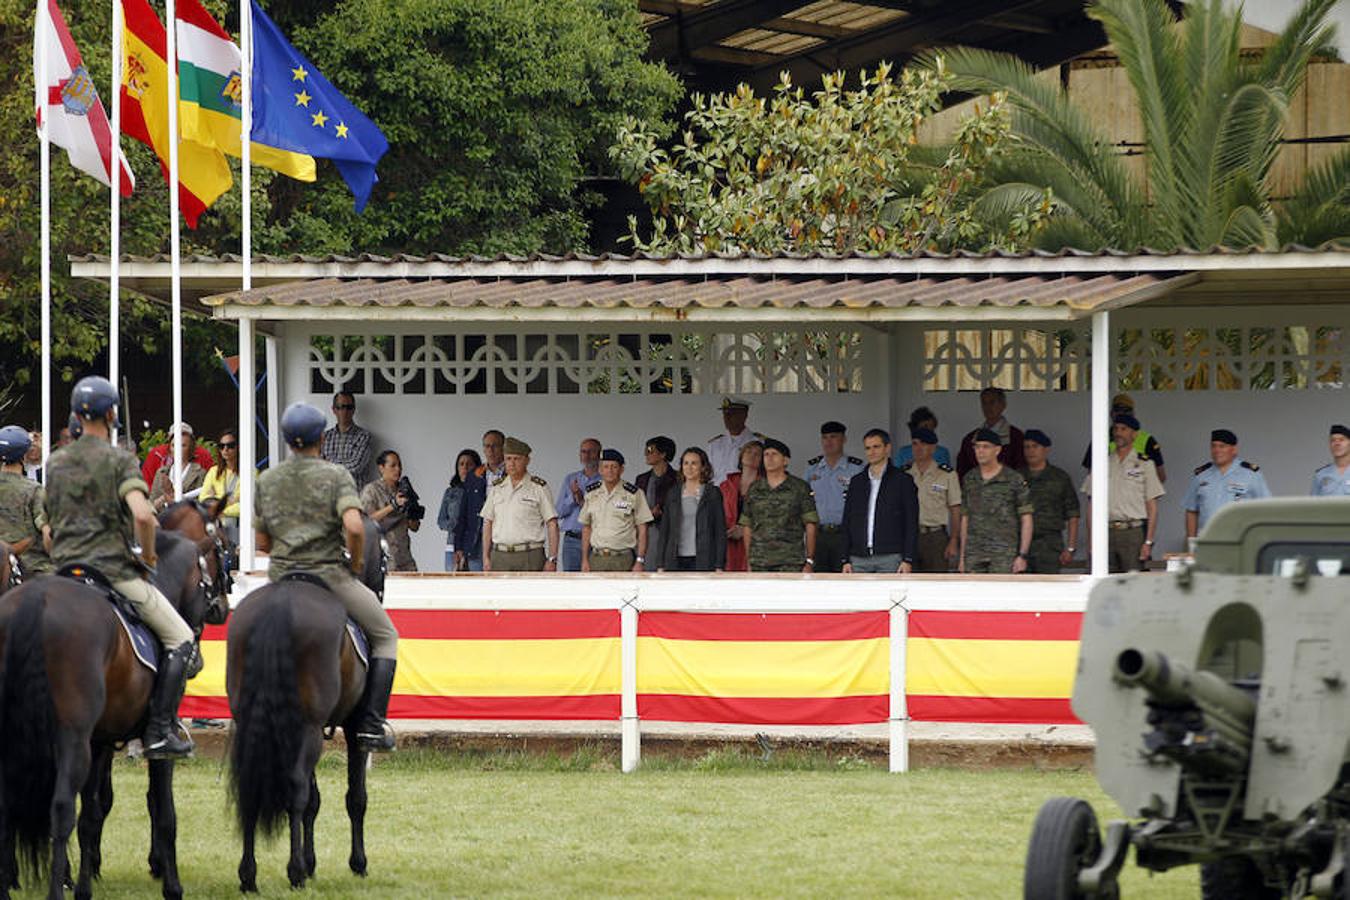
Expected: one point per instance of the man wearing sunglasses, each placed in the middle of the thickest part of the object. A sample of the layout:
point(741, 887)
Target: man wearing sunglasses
point(347, 443)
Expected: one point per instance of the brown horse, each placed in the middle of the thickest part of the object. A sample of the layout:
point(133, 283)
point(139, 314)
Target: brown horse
point(290, 671)
point(71, 691)
point(6, 572)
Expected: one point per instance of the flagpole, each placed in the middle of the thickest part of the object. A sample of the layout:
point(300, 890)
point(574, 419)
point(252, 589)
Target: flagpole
point(171, 69)
point(247, 398)
point(45, 178)
point(115, 226)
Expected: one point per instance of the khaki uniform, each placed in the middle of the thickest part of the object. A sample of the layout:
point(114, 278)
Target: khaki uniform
point(1056, 501)
point(519, 514)
point(300, 507)
point(939, 490)
point(777, 518)
point(1131, 483)
point(614, 517)
point(23, 512)
point(87, 486)
point(994, 508)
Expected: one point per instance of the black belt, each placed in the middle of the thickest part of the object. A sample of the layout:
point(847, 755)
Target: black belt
point(573, 534)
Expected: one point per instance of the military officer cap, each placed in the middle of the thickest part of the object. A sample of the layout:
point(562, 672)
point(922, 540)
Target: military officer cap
point(988, 436)
point(1223, 436)
point(1127, 420)
point(923, 435)
point(609, 454)
point(92, 397)
point(1037, 436)
point(775, 444)
point(14, 443)
point(833, 427)
point(302, 425)
point(514, 446)
point(734, 403)
point(1341, 430)
point(1122, 401)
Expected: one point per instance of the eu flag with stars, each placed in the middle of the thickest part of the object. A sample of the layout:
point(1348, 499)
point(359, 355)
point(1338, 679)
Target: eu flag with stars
point(295, 108)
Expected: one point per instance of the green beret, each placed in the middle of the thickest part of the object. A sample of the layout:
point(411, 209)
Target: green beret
point(515, 447)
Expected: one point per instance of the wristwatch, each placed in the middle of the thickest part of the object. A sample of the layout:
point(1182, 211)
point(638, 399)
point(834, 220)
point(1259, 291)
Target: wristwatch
point(810, 562)
point(1071, 549)
point(641, 559)
point(549, 559)
point(1148, 543)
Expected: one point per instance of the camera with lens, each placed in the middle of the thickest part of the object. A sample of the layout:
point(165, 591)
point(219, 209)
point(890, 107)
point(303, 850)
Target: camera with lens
point(411, 508)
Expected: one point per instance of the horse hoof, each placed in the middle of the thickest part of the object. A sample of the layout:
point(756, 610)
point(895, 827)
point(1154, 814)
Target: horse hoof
point(248, 887)
point(358, 865)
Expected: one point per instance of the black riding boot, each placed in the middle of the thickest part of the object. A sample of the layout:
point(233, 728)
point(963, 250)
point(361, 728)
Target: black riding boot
point(161, 738)
point(373, 733)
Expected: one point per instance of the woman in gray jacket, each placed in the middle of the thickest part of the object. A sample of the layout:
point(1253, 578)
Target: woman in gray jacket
point(693, 535)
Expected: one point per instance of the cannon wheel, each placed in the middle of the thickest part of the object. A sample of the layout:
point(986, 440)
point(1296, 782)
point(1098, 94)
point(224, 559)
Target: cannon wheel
point(1235, 878)
point(1064, 841)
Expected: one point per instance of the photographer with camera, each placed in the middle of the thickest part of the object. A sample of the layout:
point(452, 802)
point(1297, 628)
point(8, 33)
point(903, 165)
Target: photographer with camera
point(393, 504)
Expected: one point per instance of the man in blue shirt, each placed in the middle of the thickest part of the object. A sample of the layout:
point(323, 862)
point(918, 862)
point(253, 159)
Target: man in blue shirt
point(1226, 479)
point(571, 497)
point(1333, 479)
point(829, 476)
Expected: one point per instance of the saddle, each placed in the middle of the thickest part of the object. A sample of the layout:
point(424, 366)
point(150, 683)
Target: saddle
point(143, 641)
point(354, 633)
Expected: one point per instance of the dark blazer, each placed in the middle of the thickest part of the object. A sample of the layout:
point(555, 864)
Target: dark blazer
point(469, 528)
point(896, 528)
point(710, 531)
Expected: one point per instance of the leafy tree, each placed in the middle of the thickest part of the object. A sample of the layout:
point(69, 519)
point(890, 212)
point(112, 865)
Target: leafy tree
point(1212, 124)
point(835, 172)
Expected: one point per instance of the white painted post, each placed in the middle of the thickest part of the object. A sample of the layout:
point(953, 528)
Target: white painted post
point(175, 252)
point(1101, 426)
point(248, 457)
point(273, 399)
point(45, 32)
point(631, 732)
point(115, 210)
point(899, 721)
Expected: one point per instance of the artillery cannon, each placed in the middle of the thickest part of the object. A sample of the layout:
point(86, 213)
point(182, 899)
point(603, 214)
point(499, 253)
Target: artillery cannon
point(1219, 700)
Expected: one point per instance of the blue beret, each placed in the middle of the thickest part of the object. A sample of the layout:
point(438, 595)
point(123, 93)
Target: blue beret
point(923, 435)
point(989, 436)
point(1223, 436)
point(1127, 420)
point(775, 444)
point(1038, 436)
point(609, 454)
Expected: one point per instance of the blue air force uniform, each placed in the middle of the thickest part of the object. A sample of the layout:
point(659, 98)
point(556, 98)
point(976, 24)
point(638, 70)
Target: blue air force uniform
point(1210, 489)
point(830, 487)
point(1330, 481)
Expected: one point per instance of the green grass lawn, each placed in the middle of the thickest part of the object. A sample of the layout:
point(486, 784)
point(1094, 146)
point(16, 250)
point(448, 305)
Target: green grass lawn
point(723, 825)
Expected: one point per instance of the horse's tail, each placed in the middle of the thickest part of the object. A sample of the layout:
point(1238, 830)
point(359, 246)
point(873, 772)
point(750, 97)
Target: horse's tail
point(268, 723)
point(27, 733)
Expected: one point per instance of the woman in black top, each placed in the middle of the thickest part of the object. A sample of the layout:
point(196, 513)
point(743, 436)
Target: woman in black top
point(693, 536)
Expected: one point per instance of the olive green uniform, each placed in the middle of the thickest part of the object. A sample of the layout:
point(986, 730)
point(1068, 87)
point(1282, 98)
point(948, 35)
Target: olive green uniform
point(614, 517)
point(519, 513)
point(300, 507)
point(23, 512)
point(87, 486)
point(993, 508)
point(161, 492)
point(777, 518)
point(376, 496)
point(1056, 502)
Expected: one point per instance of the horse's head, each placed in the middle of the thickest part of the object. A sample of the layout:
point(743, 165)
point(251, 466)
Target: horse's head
point(191, 520)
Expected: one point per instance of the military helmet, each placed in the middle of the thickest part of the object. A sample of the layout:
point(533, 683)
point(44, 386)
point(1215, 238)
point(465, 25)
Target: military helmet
point(93, 397)
point(14, 443)
point(302, 425)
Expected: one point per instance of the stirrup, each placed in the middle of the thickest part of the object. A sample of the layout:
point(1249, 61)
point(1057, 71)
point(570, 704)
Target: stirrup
point(376, 742)
point(170, 746)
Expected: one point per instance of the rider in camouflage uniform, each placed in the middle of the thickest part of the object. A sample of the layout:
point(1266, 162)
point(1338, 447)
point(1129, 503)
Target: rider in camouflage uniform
point(98, 509)
point(23, 506)
point(307, 509)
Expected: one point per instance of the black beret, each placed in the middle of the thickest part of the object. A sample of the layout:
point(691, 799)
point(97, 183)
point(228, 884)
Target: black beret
point(989, 436)
point(923, 435)
point(609, 454)
point(1341, 430)
point(1038, 436)
point(1223, 436)
point(833, 427)
point(775, 444)
point(1127, 420)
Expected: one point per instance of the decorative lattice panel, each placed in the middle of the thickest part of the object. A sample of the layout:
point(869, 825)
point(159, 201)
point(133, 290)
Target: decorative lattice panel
point(596, 362)
point(1016, 359)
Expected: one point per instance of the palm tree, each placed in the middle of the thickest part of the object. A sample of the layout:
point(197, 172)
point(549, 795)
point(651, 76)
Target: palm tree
point(1212, 124)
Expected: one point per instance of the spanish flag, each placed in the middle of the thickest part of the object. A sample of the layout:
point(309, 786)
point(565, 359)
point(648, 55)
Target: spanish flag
point(210, 93)
point(203, 172)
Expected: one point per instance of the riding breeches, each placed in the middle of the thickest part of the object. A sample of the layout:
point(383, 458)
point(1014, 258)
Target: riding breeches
point(155, 611)
point(363, 606)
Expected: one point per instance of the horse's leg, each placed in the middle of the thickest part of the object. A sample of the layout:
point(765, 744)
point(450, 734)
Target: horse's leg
point(164, 825)
point(302, 776)
point(72, 768)
point(356, 801)
point(90, 825)
point(152, 858)
point(311, 813)
point(248, 863)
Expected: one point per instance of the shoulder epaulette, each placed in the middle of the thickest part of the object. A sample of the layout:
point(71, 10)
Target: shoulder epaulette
point(907, 466)
point(855, 461)
point(628, 486)
point(813, 460)
point(1199, 469)
point(539, 481)
point(498, 480)
point(713, 438)
point(1143, 457)
point(946, 467)
point(758, 435)
point(593, 485)
point(1252, 466)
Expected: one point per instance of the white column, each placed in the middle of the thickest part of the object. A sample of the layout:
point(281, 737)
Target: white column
point(1101, 426)
point(631, 734)
point(175, 261)
point(248, 457)
point(45, 190)
point(899, 719)
point(273, 364)
point(245, 145)
point(115, 215)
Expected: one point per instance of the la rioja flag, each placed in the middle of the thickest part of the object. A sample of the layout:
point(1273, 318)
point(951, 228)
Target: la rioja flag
point(67, 102)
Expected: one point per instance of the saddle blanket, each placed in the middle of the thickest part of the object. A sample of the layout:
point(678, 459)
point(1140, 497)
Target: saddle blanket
point(359, 642)
point(143, 640)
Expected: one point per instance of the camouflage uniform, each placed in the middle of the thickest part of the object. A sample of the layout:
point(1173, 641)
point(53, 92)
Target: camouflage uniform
point(777, 519)
point(994, 508)
point(23, 512)
point(614, 517)
point(300, 506)
point(87, 486)
point(375, 496)
point(1056, 501)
